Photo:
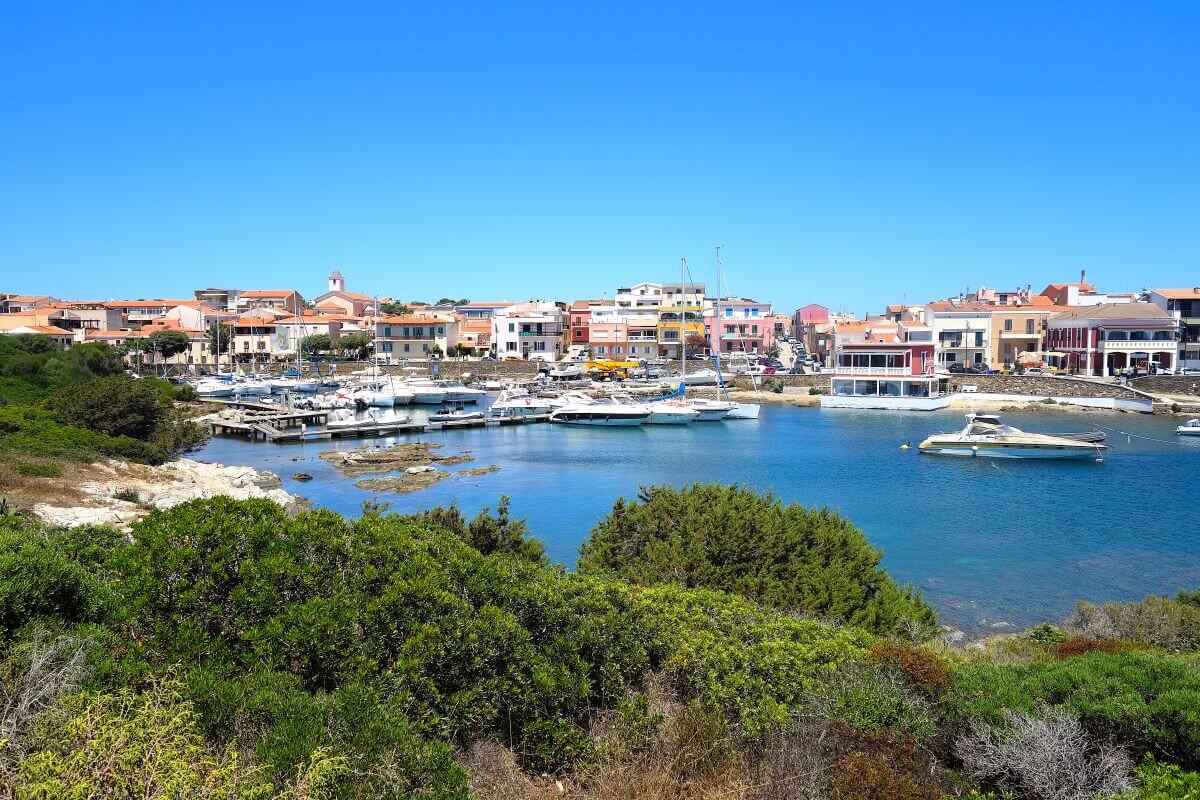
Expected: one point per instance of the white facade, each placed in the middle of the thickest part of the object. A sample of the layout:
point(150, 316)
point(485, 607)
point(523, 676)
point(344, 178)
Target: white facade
point(528, 330)
point(640, 295)
point(961, 335)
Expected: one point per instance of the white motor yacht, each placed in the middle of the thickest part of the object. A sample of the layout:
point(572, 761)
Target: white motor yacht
point(1189, 428)
point(452, 391)
point(343, 419)
point(250, 386)
point(700, 377)
point(293, 385)
point(987, 436)
point(455, 414)
point(583, 410)
point(213, 387)
point(520, 403)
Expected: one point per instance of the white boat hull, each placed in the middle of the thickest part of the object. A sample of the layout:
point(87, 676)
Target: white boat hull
point(675, 417)
point(1184, 430)
point(598, 419)
point(744, 411)
point(1010, 451)
point(423, 397)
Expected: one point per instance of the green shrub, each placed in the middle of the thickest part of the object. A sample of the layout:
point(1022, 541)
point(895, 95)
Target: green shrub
point(116, 405)
point(814, 390)
point(37, 432)
point(51, 574)
point(1169, 623)
point(1143, 699)
point(31, 469)
point(1159, 781)
point(812, 561)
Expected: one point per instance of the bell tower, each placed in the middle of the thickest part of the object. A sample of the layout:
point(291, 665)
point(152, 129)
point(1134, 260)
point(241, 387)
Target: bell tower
point(336, 282)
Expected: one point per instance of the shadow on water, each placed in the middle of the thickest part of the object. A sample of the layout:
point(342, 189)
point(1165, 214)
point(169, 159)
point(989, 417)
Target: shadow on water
point(991, 543)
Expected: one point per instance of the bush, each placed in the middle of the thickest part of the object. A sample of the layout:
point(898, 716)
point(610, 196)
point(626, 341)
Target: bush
point(734, 539)
point(925, 672)
point(36, 470)
point(37, 432)
point(1169, 623)
point(1045, 757)
point(50, 574)
point(146, 745)
point(1143, 699)
point(1159, 781)
point(814, 390)
point(115, 406)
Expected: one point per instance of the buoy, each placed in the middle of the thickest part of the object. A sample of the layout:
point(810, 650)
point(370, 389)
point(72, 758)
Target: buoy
point(974, 450)
point(905, 446)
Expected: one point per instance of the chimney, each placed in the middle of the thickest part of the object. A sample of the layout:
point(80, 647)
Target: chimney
point(1083, 276)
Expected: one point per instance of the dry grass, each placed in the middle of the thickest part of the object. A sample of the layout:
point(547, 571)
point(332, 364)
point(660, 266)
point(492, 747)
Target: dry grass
point(22, 491)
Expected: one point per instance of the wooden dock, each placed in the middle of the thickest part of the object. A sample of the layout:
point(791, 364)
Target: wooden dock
point(281, 427)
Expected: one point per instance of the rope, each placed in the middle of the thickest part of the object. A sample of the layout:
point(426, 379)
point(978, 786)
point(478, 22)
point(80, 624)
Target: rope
point(1138, 435)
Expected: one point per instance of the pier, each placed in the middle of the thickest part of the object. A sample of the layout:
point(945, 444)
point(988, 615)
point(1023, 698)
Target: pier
point(292, 426)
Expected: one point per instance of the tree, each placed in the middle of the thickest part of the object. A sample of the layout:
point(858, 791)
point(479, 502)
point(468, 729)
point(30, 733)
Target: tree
point(354, 344)
point(446, 301)
point(134, 346)
point(169, 343)
point(116, 406)
point(435, 350)
point(317, 343)
point(731, 538)
point(394, 309)
point(696, 343)
point(219, 338)
point(772, 351)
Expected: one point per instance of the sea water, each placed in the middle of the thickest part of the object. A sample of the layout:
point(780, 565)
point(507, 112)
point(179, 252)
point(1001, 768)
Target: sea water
point(993, 544)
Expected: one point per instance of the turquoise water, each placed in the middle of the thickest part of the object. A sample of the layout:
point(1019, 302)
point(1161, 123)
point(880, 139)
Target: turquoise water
point(989, 542)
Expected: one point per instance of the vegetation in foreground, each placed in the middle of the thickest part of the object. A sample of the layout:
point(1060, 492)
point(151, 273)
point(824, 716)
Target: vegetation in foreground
point(228, 649)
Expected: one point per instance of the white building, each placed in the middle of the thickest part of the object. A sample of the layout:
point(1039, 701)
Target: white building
point(962, 331)
point(640, 295)
point(1184, 306)
point(531, 330)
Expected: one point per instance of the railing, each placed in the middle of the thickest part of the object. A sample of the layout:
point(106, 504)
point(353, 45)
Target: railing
point(552, 331)
point(1137, 344)
point(841, 370)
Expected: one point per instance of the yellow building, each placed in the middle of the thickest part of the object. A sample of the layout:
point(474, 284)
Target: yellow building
point(680, 315)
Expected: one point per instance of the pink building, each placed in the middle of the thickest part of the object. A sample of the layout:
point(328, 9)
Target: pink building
point(741, 326)
point(609, 339)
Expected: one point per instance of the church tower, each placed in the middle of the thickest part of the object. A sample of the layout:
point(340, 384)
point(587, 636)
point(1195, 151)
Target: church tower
point(336, 282)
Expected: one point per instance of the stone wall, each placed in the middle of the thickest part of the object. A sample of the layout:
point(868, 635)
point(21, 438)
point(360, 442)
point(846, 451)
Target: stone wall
point(1044, 386)
point(1169, 384)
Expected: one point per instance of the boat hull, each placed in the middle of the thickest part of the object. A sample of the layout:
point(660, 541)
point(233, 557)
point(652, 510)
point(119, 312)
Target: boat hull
point(671, 418)
point(1023, 451)
point(598, 418)
point(744, 411)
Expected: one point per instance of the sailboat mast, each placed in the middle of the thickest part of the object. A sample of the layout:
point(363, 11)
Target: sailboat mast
point(683, 326)
point(717, 323)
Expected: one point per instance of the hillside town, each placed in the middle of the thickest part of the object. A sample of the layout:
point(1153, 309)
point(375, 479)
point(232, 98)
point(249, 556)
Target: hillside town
point(1074, 328)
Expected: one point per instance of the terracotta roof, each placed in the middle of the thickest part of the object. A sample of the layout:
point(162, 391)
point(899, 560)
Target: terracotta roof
point(49, 330)
point(1180, 294)
point(484, 305)
point(254, 321)
point(1147, 311)
point(157, 301)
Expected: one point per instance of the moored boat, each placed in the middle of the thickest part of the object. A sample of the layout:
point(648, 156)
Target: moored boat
point(1189, 428)
point(986, 436)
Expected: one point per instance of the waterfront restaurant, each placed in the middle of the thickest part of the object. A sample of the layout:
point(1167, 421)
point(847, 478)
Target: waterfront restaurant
point(1106, 339)
point(890, 369)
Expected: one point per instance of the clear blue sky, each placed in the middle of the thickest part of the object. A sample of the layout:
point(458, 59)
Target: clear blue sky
point(848, 154)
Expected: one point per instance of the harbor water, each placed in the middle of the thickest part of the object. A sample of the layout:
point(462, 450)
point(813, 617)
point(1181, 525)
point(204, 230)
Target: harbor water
point(993, 544)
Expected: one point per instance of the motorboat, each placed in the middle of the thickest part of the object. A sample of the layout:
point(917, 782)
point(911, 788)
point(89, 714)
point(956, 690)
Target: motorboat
point(1189, 428)
point(384, 395)
point(990, 437)
point(710, 410)
point(565, 372)
point(1082, 436)
point(583, 410)
point(452, 391)
point(455, 413)
point(700, 377)
point(520, 403)
point(213, 387)
point(286, 384)
point(250, 386)
point(343, 419)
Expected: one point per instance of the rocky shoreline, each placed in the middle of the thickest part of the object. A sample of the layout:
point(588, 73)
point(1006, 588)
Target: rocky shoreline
point(119, 493)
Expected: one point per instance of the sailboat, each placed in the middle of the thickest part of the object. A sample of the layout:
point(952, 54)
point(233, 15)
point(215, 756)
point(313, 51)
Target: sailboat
point(707, 410)
point(739, 410)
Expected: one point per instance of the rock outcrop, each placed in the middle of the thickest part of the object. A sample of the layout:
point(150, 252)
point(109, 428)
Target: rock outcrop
point(118, 493)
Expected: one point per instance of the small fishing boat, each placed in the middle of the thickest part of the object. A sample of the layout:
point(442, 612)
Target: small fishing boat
point(991, 438)
point(1189, 428)
point(455, 411)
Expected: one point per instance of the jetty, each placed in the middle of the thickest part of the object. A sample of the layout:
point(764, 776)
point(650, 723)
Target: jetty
point(273, 425)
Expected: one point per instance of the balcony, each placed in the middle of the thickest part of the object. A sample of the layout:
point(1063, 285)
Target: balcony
point(1122, 346)
point(873, 371)
point(554, 330)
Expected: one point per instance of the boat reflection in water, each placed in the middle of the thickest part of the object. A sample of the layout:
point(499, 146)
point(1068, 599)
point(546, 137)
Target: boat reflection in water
point(986, 435)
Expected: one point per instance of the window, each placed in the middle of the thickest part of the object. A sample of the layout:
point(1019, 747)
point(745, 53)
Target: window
point(1008, 324)
point(406, 333)
point(539, 345)
point(406, 348)
point(511, 346)
point(601, 350)
point(424, 348)
point(441, 330)
point(512, 327)
point(387, 330)
point(1029, 326)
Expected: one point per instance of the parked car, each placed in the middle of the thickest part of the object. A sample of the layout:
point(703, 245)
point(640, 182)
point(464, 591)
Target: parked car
point(1036, 371)
point(1156, 369)
point(1189, 371)
point(956, 369)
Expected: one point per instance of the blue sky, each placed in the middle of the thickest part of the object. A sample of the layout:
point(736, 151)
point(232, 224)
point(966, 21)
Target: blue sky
point(848, 154)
